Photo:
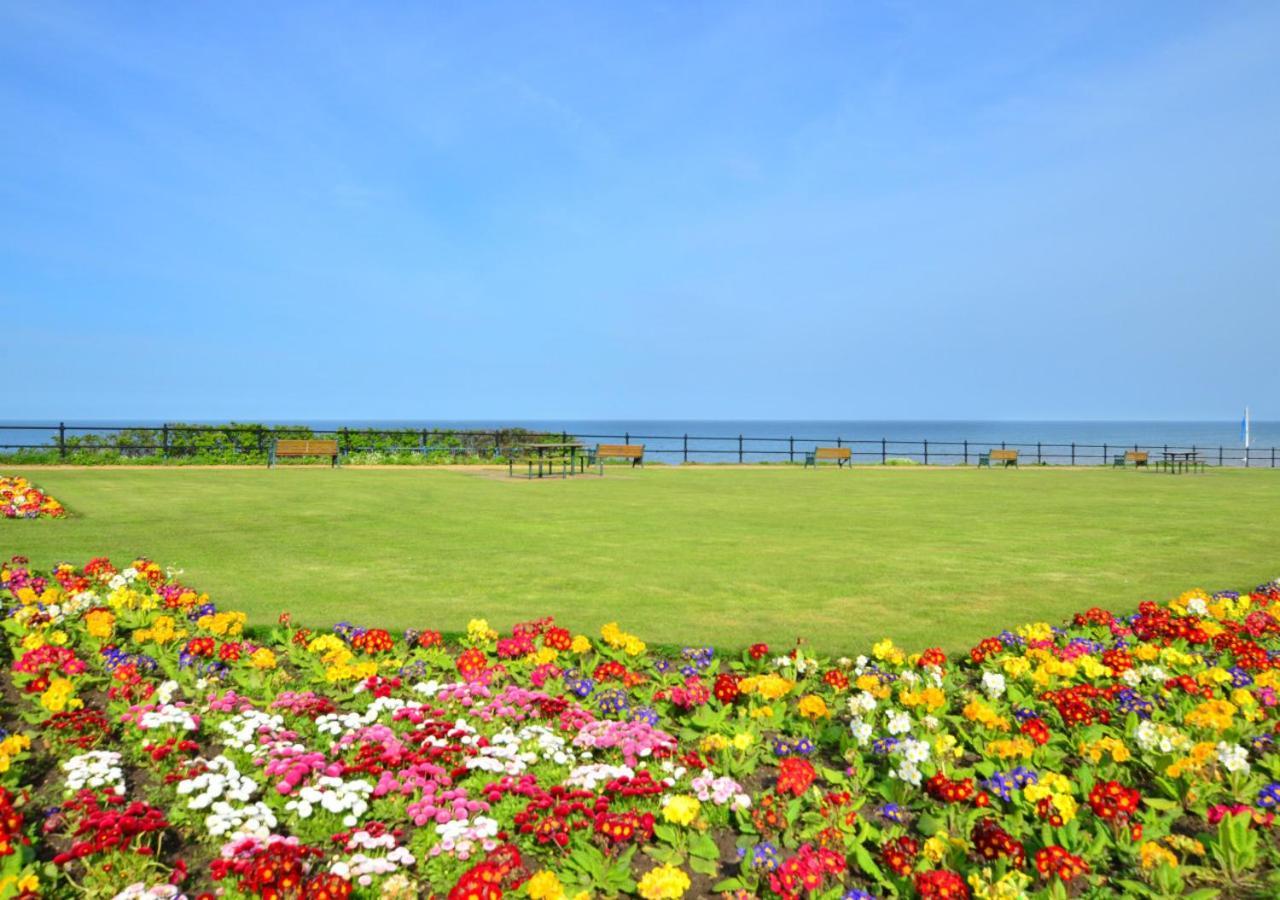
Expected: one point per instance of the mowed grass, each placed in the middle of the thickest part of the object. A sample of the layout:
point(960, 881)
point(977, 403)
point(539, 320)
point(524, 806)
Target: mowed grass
point(726, 556)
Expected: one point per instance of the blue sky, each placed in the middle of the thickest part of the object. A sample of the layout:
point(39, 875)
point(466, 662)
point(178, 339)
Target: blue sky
point(696, 210)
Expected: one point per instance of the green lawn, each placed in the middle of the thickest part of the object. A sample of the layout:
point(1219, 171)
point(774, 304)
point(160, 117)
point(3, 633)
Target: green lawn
point(724, 555)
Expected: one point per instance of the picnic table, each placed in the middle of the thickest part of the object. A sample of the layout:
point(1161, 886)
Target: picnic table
point(1175, 462)
point(546, 457)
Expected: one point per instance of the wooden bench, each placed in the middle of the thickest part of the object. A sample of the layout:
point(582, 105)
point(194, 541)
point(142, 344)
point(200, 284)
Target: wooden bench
point(282, 448)
point(1007, 457)
point(633, 452)
point(838, 455)
point(1139, 459)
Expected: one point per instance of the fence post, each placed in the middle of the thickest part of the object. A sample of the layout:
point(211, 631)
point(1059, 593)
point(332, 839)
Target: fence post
point(883, 451)
point(626, 437)
point(62, 440)
point(1073, 453)
point(1104, 454)
point(1219, 455)
point(966, 453)
point(926, 451)
point(164, 441)
point(791, 450)
point(739, 448)
point(1038, 458)
point(686, 446)
point(346, 440)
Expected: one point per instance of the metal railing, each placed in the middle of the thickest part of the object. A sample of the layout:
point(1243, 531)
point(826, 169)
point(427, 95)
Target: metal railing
point(171, 441)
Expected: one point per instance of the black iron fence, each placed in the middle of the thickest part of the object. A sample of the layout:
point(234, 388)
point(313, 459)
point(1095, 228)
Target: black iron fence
point(236, 442)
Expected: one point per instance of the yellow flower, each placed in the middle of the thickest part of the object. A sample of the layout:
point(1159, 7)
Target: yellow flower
point(762, 712)
point(633, 646)
point(100, 623)
point(1153, 855)
point(945, 744)
point(663, 883)
point(11, 747)
point(1018, 747)
point(545, 886)
point(977, 711)
point(887, 652)
point(1016, 666)
point(813, 707)
point(681, 809)
point(544, 655)
point(1010, 886)
point(1214, 714)
point(771, 686)
point(1098, 749)
point(479, 632)
point(743, 740)
point(1036, 631)
point(11, 885)
point(263, 658)
point(223, 623)
point(713, 742)
point(60, 696)
point(581, 644)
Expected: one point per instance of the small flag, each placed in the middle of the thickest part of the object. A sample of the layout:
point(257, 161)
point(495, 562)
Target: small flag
point(1244, 428)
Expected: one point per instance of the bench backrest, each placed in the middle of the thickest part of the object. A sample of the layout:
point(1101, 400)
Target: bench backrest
point(306, 448)
point(1135, 456)
point(1004, 454)
point(833, 453)
point(620, 451)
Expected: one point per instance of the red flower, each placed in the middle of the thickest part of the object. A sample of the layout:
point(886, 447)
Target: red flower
point(940, 884)
point(795, 775)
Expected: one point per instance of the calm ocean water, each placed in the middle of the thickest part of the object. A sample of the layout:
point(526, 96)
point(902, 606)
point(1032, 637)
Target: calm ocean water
point(776, 440)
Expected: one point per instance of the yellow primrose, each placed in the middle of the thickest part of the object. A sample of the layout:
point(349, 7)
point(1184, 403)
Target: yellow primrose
point(581, 644)
point(479, 632)
point(1154, 855)
point(263, 658)
point(1011, 748)
point(1016, 666)
point(681, 809)
point(666, 882)
point(544, 886)
point(813, 707)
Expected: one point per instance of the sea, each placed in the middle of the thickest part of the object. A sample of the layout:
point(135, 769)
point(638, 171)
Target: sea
point(938, 442)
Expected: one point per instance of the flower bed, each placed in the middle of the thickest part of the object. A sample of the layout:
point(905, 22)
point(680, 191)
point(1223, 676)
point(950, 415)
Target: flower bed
point(20, 499)
point(153, 749)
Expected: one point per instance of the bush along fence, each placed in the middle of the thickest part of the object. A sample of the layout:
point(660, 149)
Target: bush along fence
point(249, 443)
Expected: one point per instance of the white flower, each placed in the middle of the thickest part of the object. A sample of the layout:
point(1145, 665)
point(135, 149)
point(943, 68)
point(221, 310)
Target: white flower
point(861, 730)
point(93, 770)
point(168, 716)
point(1197, 606)
point(1233, 757)
point(914, 751)
point(993, 684)
point(590, 777)
point(899, 722)
point(907, 771)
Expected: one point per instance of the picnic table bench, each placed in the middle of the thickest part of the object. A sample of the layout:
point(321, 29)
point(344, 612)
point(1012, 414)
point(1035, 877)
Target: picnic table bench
point(633, 452)
point(546, 457)
point(1007, 457)
point(1139, 458)
point(838, 455)
point(305, 447)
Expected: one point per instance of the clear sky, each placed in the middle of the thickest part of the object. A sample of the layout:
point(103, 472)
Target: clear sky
point(609, 210)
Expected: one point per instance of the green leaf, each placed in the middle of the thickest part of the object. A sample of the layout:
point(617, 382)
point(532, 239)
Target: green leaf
point(705, 866)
